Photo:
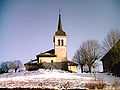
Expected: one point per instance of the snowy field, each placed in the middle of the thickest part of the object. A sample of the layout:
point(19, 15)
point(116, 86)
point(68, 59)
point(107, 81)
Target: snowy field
point(56, 79)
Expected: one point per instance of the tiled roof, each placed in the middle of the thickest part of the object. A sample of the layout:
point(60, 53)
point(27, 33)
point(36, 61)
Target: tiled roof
point(70, 63)
point(50, 53)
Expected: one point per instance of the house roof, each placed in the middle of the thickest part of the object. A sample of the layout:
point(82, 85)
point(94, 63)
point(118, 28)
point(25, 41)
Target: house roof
point(115, 49)
point(71, 63)
point(32, 61)
point(60, 31)
point(50, 53)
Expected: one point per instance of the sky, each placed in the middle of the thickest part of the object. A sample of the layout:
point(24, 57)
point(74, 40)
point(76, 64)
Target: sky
point(27, 27)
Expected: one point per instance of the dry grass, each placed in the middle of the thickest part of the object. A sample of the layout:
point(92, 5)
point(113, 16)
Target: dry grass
point(115, 84)
point(96, 85)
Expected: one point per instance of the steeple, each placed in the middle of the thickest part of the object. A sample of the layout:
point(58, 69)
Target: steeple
point(60, 42)
point(59, 23)
point(60, 31)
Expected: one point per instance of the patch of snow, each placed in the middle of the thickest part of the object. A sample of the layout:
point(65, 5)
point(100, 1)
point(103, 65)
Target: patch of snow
point(50, 79)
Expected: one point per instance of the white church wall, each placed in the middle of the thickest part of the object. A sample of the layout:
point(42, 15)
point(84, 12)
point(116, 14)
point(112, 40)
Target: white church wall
point(47, 59)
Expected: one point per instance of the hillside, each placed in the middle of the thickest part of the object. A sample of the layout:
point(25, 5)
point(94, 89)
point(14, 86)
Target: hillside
point(53, 79)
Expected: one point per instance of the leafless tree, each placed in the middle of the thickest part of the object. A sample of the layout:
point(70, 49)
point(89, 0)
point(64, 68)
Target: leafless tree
point(79, 59)
point(88, 53)
point(17, 64)
point(111, 38)
point(6, 66)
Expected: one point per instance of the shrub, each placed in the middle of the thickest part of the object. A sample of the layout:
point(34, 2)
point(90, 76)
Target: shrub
point(115, 84)
point(98, 85)
point(66, 85)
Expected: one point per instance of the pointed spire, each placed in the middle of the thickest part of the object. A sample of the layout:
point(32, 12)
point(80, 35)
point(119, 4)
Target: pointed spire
point(60, 31)
point(59, 22)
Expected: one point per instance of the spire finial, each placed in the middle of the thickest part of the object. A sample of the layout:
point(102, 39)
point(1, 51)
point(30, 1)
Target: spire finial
point(60, 11)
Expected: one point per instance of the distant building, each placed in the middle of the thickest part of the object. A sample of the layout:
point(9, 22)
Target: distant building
point(57, 57)
point(111, 61)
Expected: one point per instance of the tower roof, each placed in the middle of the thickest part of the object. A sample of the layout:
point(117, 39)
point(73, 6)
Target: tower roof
point(60, 32)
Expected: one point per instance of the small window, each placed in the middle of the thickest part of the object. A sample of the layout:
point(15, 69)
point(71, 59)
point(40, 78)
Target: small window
point(58, 42)
point(62, 42)
point(51, 61)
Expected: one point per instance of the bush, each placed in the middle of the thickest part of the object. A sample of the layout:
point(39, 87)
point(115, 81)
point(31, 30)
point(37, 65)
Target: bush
point(98, 85)
point(32, 66)
point(115, 84)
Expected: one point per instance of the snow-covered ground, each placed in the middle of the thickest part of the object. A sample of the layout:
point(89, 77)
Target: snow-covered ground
point(108, 78)
point(56, 79)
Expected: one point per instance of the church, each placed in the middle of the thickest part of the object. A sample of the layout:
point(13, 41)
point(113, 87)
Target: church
point(59, 53)
point(57, 58)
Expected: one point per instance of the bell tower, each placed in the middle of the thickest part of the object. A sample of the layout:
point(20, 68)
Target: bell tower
point(60, 45)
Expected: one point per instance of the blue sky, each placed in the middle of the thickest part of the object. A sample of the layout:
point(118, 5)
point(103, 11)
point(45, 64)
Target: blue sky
point(27, 26)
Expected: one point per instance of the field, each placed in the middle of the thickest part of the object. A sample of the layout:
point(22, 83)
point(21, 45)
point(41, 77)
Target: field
point(57, 79)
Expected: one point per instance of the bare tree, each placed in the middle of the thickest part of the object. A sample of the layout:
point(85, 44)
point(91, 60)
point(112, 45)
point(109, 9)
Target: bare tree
point(88, 53)
point(6, 66)
point(111, 38)
point(79, 59)
point(16, 65)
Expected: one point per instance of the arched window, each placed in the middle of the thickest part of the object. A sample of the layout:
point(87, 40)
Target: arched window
point(62, 42)
point(58, 42)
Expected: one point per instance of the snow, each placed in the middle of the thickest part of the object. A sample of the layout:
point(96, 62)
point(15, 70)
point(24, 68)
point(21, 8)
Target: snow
point(56, 79)
point(108, 78)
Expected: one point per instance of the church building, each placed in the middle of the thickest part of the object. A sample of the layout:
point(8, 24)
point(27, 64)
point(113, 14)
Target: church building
point(59, 53)
point(56, 58)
